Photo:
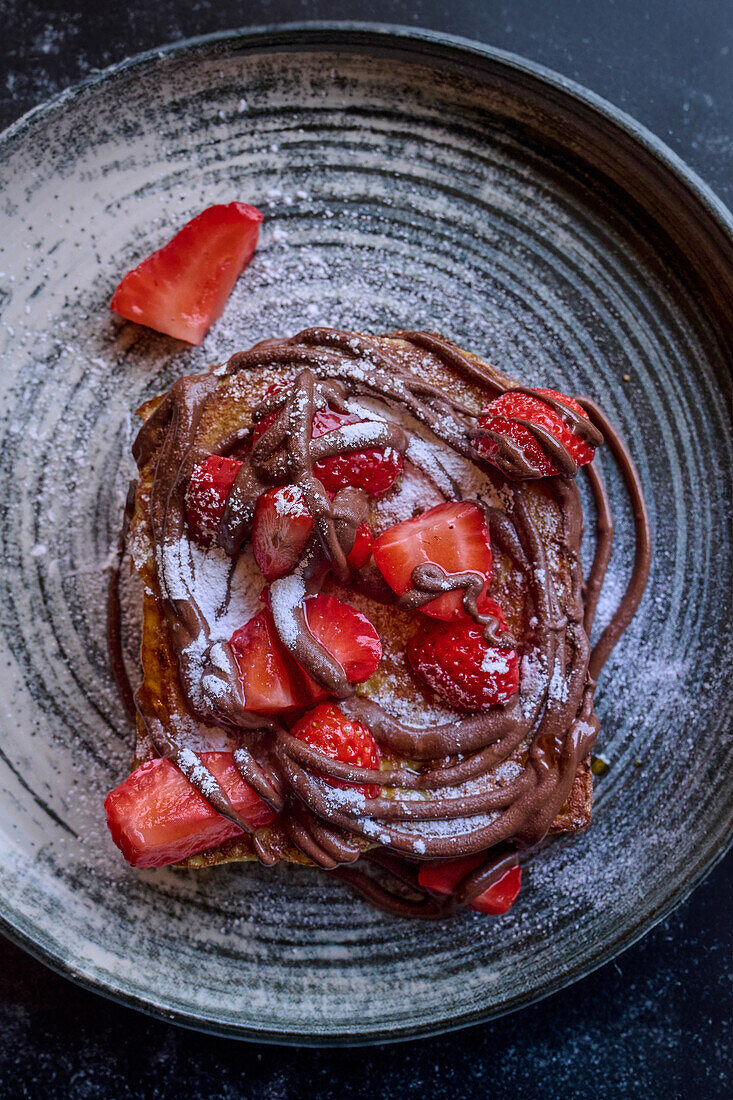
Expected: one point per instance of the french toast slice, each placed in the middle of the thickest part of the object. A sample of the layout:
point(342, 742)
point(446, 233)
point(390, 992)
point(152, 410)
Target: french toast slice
point(393, 686)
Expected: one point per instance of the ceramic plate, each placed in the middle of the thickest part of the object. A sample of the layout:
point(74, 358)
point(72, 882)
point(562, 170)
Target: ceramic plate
point(408, 180)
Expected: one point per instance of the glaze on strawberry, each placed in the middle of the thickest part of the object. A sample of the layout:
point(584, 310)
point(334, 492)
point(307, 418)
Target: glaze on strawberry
point(536, 433)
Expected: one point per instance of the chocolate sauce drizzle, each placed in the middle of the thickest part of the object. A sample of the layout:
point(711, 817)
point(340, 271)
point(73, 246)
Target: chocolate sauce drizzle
point(429, 581)
point(336, 829)
point(510, 457)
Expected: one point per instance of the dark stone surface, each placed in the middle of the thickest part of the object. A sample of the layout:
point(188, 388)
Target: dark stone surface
point(655, 1022)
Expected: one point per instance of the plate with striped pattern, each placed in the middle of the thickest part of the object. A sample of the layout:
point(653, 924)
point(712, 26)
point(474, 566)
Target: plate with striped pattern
point(409, 181)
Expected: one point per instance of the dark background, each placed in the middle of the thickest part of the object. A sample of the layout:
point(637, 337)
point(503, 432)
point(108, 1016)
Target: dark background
point(655, 1023)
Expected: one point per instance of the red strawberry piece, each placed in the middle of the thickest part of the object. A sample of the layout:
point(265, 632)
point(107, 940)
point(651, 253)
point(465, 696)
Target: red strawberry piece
point(497, 418)
point(453, 536)
point(272, 681)
point(206, 496)
point(372, 470)
point(340, 738)
point(156, 817)
point(328, 419)
point(183, 287)
point(282, 526)
point(455, 661)
point(324, 420)
point(361, 551)
point(500, 897)
point(260, 426)
point(346, 634)
point(487, 606)
point(444, 877)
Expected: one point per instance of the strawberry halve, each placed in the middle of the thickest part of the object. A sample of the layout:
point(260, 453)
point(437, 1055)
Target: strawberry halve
point(182, 288)
point(157, 817)
point(452, 536)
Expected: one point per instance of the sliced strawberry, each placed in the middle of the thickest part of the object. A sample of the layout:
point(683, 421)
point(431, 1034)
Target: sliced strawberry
point(183, 287)
point(210, 485)
point(455, 661)
point(156, 817)
point(372, 470)
point(324, 420)
point(328, 419)
point(282, 526)
point(499, 416)
point(346, 634)
point(453, 536)
point(444, 877)
point(485, 605)
point(361, 551)
point(260, 426)
point(340, 738)
point(272, 681)
point(500, 897)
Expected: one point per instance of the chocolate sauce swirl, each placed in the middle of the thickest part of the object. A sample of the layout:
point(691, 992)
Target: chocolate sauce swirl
point(429, 580)
point(430, 811)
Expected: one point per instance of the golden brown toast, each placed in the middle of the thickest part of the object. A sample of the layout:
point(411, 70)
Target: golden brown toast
point(393, 684)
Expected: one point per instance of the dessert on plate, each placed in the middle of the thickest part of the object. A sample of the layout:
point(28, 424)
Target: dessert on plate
point(365, 627)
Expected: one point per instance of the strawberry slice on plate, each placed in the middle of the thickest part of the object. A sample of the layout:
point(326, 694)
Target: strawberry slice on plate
point(444, 877)
point(157, 817)
point(453, 536)
point(456, 661)
point(206, 496)
point(182, 288)
point(272, 681)
point(328, 729)
point(502, 414)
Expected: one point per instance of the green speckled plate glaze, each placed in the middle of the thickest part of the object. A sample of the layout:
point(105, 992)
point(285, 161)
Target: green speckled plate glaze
point(408, 180)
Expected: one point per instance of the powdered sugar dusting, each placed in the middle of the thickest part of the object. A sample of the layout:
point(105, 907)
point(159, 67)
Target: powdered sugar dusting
point(285, 595)
point(227, 595)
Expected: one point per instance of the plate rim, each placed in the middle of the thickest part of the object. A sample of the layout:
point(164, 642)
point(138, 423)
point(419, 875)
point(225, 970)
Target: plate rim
point(425, 44)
